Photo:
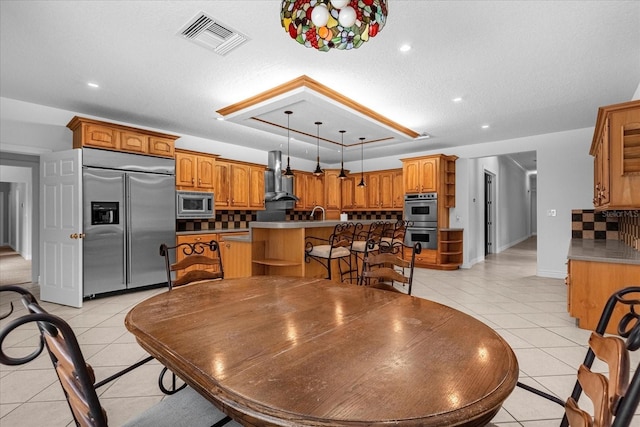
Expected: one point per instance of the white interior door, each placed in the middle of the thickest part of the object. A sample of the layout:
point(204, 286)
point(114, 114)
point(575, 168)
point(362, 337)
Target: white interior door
point(61, 227)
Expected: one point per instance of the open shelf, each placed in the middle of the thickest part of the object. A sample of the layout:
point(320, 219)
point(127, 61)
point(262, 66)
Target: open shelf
point(276, 262)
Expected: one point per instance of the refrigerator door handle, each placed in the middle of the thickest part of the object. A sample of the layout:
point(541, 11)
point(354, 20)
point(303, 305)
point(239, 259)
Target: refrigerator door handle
point(127, 232)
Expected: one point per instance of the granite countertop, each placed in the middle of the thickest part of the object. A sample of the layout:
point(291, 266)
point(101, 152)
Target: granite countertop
point(215, 231)
point(302, 224)
point(612, 251)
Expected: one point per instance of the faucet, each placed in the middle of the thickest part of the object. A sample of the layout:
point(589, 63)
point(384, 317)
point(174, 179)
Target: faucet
point(314, 211)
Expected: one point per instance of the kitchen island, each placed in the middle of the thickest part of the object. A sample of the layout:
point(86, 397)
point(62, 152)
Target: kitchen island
point(596, 269)
point(278, 247)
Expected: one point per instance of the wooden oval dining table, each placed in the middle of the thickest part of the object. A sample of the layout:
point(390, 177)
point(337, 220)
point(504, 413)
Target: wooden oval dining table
point(291, 351)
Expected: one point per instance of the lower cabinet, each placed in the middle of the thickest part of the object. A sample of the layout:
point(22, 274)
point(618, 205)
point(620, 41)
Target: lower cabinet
point(590, 284)
point(236, 258)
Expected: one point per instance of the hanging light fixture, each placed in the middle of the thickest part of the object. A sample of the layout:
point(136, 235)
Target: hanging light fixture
point(288, 172)
point(342, 174)
point(333, 24)
point(318, 170)
point(362, 183)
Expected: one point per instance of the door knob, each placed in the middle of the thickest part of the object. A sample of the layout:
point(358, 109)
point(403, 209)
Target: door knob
point(81, 236)
point(74, 236)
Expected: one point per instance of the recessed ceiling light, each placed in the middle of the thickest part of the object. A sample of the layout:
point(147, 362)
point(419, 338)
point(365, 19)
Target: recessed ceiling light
point(485, 126)
point(405, 48)
point(458, 99)
point(220, 118)
point(93, 85)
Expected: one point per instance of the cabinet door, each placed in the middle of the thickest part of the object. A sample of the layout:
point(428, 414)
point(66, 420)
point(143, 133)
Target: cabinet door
point(205, 173)
point(411, 174)
point(100, 136)
point(428, 175)
point(398, 190)
point(373, 190)
point(239, 184)
point(360, 195)
point(161, 146)
point(315, 191)
point(300, 190)
point(134, 142)
point(256, 187)
point(222, 179)
point(236, 259)
point(332, 190)
point(185, 170)
point(386, 190)
point(347, 189)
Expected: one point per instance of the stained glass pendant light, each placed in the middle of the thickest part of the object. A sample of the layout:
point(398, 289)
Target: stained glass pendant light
point(333, 24)
point(288, 172)
point(362, 183)
point(342, 174)
point(318, 170)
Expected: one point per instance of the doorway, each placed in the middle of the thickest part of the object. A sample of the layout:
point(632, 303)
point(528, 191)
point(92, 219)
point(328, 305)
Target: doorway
point(489, 213)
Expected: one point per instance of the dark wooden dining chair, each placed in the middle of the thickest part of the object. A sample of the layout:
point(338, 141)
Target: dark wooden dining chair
point(391, 263)
point(615, 398)
point(77, 377)
point(192, 262)
point(336, 247)
point(189, 262)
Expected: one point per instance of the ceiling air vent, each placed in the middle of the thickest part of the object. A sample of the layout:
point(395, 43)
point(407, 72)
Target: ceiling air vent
point(212, 34)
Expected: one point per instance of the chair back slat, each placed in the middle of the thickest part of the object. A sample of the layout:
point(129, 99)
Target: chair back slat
point(201, 261)
point(389, 262)
point(576, 416)
point(596, 387)
point(612, 351)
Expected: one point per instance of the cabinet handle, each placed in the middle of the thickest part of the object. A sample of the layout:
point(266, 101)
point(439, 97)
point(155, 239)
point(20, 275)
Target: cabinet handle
point(198, 238)
point(193, 181)
point(199, 181)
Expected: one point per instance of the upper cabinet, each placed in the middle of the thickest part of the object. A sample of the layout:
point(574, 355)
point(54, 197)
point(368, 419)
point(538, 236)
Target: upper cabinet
point(383, 191)
point(109, 136)
point(239, 185)
point(616, 151)
point(420, 175)
point(194, 171)
point(436, 173)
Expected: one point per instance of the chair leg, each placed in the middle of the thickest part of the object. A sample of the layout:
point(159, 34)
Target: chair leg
point(222, 422)
point(173, 389)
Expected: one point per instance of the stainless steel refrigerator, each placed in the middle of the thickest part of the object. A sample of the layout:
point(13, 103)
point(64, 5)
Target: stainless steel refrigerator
point(129, 210)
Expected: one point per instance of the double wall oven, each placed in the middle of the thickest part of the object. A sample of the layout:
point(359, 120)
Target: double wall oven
point(421, 210)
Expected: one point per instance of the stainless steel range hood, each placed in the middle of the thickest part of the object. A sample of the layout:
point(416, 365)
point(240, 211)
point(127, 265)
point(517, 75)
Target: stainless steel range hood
point(278, 190)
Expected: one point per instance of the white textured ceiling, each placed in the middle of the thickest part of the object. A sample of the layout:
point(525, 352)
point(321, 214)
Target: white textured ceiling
point(522, 67)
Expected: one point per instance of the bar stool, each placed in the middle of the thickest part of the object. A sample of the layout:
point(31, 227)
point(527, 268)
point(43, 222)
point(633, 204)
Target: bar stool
point(362, 236)
point(336, 247)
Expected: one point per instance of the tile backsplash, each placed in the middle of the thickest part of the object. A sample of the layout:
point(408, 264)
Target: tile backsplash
point(234, 220)
point(606, 225)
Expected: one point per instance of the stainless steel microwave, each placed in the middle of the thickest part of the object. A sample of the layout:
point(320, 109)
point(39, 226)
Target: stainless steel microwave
point(194, 205)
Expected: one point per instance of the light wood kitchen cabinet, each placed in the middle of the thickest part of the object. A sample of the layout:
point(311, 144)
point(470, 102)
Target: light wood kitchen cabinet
point(347, 188)
point(110, 136)
point(590, 284)
point(161, 146)
point(332, 194)
point(616, 151)
point(194, 171)
point(386, 190)
point(195, 238)
point(239, 185)
point(420, 174)
point(256, 187)
point(236, 256)
point(309, 189)
point(398, 190)
point(373, 190)
point(360, 195)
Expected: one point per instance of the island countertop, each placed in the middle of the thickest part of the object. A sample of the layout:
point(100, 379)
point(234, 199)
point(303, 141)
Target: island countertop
point(302, 224)
point(610, 251)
